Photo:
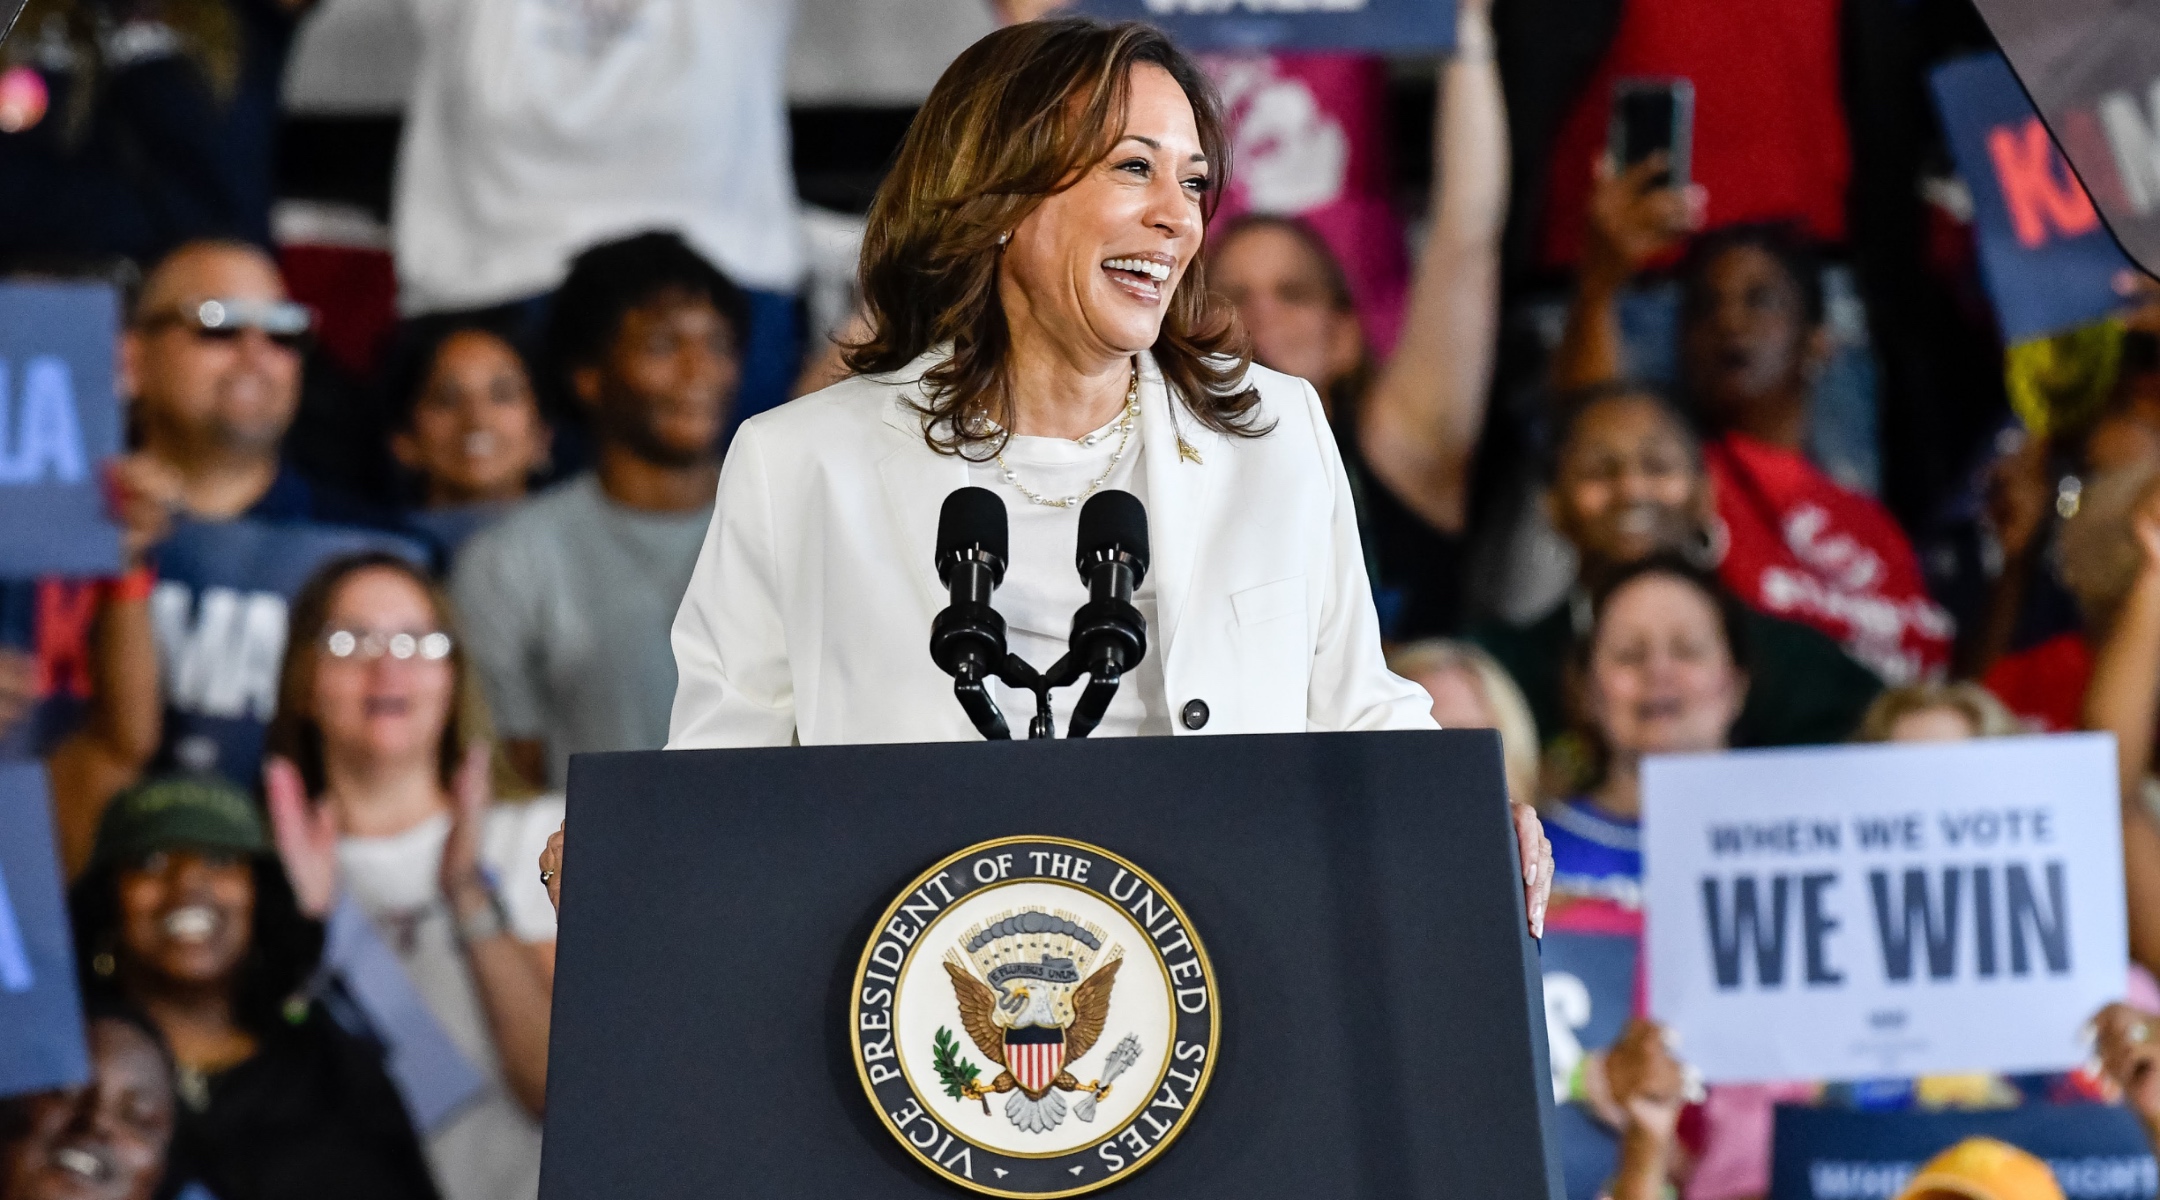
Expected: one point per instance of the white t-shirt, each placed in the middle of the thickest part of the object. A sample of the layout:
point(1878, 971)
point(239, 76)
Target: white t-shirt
point(1043, 587)
point(491, 1149)
point(539, 127)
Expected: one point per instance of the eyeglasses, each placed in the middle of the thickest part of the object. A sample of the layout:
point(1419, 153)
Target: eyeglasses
point(368, 645)
point(287, 323)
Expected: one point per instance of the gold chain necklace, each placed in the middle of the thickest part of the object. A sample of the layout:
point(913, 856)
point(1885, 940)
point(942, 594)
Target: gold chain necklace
point(1124, 427)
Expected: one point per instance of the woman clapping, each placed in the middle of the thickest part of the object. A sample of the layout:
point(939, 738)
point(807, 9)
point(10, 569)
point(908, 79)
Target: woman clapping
point(379, 790)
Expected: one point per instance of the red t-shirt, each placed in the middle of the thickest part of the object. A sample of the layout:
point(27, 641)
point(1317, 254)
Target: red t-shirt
point(1802, 548)
point(2045, 683)
point(1770, 133)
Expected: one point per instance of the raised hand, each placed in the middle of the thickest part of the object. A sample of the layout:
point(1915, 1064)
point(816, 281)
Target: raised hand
point(144, 494)
point(471, 793)
point(306, 835)
point(1648, 1084)
point(2127, 1043)
point(1634, 218)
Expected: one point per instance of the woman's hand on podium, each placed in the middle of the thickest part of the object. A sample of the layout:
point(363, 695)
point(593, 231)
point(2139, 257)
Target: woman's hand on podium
point(1537, 864)
point(551, 867)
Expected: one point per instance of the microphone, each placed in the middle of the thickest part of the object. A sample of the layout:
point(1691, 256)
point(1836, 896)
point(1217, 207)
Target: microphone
point(1109, 636)
point(967, 640)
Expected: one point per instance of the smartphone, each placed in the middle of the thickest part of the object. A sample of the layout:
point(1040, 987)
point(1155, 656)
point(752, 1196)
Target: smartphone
point(1650, 115)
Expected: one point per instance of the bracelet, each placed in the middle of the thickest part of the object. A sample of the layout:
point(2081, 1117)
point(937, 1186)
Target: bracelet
point(490, 921)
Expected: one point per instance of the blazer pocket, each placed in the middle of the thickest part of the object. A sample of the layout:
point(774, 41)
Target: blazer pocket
point(1269, 601)
point(1274, 656)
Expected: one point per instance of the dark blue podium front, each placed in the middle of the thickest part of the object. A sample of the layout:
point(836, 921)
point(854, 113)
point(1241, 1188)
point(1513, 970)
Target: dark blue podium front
point(1382, 1021)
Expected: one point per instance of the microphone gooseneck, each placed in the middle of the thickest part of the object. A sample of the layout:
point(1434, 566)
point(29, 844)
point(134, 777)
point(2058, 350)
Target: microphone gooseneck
point(967, 640)
point(1109, 636)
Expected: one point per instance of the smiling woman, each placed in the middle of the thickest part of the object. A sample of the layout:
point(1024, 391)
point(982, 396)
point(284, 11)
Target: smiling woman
point(1040, 328)
point(184, 915)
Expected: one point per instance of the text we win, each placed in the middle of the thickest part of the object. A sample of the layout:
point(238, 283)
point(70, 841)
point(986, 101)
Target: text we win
point(1989, 901)
point(2117, 143)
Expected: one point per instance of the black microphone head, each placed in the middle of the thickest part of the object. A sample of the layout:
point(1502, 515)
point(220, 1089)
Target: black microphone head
point(972, 522)
point(1114, 522)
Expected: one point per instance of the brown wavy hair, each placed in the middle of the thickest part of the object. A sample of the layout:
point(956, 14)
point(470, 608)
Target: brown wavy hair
point(293, 733)
point(1018, 117)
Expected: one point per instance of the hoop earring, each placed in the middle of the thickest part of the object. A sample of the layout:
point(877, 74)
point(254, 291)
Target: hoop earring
point(1712, 541)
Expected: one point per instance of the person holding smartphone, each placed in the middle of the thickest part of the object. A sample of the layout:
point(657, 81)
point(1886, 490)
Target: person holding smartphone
point(1752, 339)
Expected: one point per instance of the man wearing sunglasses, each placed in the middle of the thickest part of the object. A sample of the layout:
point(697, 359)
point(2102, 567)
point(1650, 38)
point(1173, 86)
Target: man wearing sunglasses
point(210, 364)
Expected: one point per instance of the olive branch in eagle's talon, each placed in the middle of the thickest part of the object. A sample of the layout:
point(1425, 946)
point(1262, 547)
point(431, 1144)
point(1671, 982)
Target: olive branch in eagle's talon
point(956, 1073)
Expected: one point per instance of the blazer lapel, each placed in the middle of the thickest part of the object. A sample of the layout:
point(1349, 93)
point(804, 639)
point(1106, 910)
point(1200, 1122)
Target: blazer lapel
point(916, 481)
point(1185, 464)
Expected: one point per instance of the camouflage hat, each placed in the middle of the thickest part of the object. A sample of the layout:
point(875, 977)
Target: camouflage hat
point(200, 812)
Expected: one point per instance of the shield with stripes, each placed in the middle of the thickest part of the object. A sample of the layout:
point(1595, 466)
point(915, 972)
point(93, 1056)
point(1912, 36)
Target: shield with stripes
point(1035, 1055)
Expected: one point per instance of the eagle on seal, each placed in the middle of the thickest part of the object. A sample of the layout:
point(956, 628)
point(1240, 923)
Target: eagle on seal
point(1036, 1013)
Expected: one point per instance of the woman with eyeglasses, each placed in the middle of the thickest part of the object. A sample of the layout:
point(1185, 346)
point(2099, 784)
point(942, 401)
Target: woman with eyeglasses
point(379, 787)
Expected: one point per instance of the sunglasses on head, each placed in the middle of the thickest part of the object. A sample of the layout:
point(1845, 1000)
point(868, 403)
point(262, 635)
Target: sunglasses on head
point(287, 323)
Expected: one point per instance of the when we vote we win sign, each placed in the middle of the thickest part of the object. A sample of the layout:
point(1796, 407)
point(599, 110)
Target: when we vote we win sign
point(1859, 912)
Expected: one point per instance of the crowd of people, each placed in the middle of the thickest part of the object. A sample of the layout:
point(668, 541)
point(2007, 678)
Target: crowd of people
point(1641, 466)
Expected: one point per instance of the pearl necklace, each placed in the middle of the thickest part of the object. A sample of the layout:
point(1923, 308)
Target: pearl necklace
point(1123, 427)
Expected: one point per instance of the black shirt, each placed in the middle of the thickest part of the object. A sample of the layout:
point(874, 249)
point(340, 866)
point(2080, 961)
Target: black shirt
point(311, 1116)
point(1416, 570)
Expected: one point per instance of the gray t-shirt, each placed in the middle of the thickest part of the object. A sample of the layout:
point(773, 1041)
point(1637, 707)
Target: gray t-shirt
point(566, 606)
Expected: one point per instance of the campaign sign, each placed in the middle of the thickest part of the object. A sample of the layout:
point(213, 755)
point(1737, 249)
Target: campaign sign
point(1856, 912)
point(219, 611)
point(40, 1011)
point(2048, 263)
point(2093, 67)
point(2096, 1151)
point(1393, 26)
point(1589, 994)
point(59, 422)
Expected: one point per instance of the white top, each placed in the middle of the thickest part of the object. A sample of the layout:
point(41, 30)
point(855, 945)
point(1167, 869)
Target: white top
point(539, 127)
point(808, 616)
point(491, 1149)
point(1043, 587)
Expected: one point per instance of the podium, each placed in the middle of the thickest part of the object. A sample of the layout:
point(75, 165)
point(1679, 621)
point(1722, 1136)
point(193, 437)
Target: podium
point(1312, 945)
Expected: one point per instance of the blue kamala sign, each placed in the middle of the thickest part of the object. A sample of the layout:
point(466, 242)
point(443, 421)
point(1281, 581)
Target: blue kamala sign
point(2048, 262)
point(1393, 26)
point(40, 1012)
point(59, 422)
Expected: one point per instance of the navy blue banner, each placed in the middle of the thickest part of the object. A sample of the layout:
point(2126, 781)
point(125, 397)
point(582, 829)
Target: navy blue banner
point(2048, 262)
point(1378, 26)
point(2093, 67)
point(1589, 994)
point(59, 422)
point(40, 1011)
point(2096, 1151)
point(220, 608)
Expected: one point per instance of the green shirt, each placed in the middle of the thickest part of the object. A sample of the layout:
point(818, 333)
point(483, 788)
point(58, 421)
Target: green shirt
point(1802, 688)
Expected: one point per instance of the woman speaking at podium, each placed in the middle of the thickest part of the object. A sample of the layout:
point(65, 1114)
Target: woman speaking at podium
point(1039, 326)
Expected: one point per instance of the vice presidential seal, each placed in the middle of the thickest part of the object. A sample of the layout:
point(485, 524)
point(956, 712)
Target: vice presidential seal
point(1034, 1017)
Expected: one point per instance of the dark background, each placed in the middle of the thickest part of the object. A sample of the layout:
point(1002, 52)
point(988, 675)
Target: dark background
point(1358, 895)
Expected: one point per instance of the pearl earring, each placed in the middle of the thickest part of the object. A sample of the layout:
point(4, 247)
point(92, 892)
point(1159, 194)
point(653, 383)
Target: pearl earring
point(1004, 238)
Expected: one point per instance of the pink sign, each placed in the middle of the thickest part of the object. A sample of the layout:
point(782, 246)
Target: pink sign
point(1308, 136)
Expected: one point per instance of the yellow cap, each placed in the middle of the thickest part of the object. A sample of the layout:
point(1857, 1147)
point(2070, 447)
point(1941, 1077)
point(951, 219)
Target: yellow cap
point(1984, 1169)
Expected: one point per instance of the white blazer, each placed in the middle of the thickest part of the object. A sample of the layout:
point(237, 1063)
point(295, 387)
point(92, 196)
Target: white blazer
point(808, 617)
